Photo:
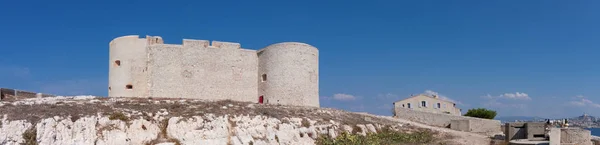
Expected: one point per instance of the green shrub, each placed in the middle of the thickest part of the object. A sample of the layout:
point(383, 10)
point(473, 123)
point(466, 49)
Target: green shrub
point(384, 137)
point(30, 136)
point(481, 113)
point(119, 116)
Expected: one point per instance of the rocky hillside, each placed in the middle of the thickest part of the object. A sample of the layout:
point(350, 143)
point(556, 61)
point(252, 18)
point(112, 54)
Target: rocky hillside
point(136, 121)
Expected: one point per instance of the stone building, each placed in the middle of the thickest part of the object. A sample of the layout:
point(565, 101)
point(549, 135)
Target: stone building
point(283, 73)
point(427, 103)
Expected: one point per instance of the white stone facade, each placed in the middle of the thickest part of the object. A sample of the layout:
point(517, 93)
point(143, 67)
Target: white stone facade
point(283, 73)
point(427, 103)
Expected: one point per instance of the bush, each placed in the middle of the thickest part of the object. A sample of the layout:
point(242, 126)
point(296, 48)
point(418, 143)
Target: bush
point(119, 116)
point(385, 137)
point(481, 113)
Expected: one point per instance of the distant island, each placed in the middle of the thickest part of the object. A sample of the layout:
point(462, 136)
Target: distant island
point(583, 121)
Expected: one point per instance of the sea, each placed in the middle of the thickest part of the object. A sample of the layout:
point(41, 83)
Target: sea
point(595, 131)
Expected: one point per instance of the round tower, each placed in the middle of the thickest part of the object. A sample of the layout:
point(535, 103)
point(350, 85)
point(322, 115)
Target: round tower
point(126, 65)
point(289, 74)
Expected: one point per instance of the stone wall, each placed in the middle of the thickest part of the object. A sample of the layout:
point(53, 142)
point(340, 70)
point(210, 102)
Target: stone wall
point(477, 125)
point(127, 64)
point(289, 74)
point(199, 70)
point(576, 136)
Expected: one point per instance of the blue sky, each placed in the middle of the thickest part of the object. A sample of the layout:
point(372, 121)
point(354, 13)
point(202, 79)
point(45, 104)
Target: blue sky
point(532, 58)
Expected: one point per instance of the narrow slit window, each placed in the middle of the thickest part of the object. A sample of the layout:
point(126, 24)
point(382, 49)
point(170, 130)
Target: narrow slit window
point(129, 86)
point(264, 77)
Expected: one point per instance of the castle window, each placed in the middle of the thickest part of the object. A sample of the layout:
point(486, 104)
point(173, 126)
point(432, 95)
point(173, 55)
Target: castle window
point(117, 62)
point(439, 105)
point(129, 86)
point(408, 105)
point(264, 77)
point(403, 105)
point(423, 104)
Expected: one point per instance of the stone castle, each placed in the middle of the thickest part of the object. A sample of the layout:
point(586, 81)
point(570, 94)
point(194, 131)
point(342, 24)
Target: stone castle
point(282, 73)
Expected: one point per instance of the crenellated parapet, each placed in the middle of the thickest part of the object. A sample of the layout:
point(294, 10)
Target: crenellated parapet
point(151, 40)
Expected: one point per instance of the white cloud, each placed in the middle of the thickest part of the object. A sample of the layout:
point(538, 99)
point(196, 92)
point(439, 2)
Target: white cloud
point(387, 96)
point(517, 95)
point(488, 96)
point(583, 102)
point(511, 96)
point(494, 103)
point(577, 103)
point(506, 100)
point(344, 97)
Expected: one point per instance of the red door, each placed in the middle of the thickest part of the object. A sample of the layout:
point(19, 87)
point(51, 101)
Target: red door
point(260, 99)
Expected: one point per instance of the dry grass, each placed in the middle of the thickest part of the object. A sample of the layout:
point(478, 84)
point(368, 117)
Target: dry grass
point(356, 129)
point(163, 136)
point(119, 116)
point(386, 137)
point(30, 136)
point(189, 108)
point(305, 123)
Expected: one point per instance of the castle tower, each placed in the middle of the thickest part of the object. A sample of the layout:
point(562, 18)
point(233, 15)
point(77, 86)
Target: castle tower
point(289, 74)
point(127, 66)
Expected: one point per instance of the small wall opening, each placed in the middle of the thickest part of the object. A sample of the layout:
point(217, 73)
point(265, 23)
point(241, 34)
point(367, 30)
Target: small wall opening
point(117, 62)
point(264, 77)
point(539, 135)
point(109, 88)
point(129, 86)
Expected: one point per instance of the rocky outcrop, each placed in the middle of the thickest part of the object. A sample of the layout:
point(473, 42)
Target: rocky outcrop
point(209, 129)
point(103, 121)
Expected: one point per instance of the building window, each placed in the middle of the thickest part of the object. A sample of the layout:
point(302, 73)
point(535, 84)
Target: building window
point(439, 105)
point(117, 62)
point(402, 105)
point(408, 105)
point(129, 86)
point(423, 103)
point(264, 77)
